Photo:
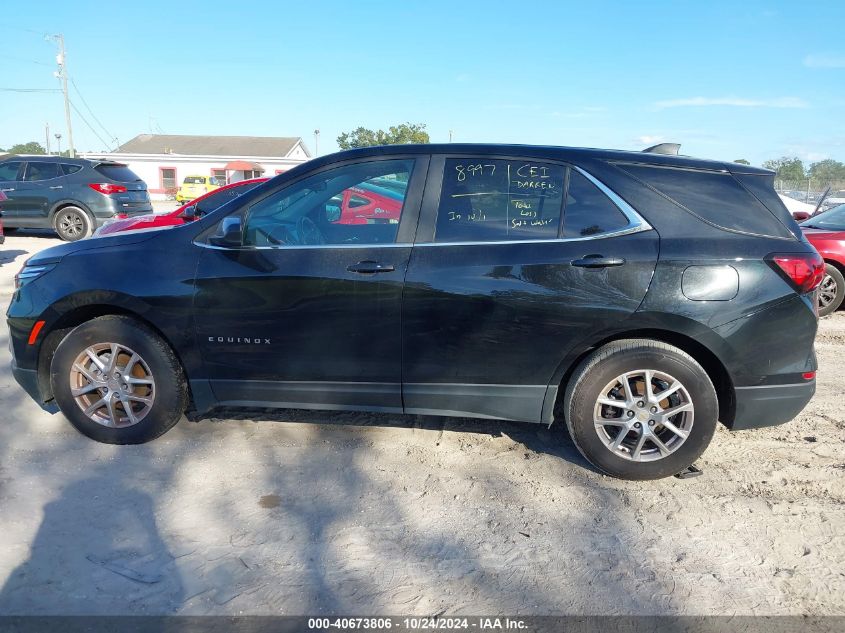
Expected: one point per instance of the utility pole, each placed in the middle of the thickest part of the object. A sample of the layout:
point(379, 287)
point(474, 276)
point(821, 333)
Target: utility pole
point(62, 74)
point(450, 136)
point(47, 137)
point(59, 141)
point(316, 143)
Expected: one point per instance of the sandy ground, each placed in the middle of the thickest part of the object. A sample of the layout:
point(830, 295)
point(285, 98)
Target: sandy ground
point(308, 512)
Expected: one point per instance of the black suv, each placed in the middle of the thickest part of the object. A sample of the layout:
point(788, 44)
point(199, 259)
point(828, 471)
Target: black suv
point(74, 196)
point(639, 297)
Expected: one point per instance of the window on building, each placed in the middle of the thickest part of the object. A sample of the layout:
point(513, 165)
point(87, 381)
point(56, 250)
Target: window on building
point(248, 174)
point(168, 178)
point(219, 175)
point(499, 200)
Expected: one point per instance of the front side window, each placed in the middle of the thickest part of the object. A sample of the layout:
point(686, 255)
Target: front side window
point(588, 211)
point(219, 197)
point(41, 171)
point(9, 171)
point(499, 200)
point(317, 210)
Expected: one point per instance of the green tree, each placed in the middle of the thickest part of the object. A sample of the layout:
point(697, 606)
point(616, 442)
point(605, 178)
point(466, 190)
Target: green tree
point(742, 161)
point(33, 147)
point(827, 170)
point(787, 168)
point(395, 135)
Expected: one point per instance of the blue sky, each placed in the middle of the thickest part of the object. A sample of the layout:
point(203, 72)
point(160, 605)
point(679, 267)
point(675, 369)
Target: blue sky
point(728, 80)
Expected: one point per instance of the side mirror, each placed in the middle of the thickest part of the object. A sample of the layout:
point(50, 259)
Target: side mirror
point(800, 216)
point(190, 213)
point(229, 234)
point(332, 211)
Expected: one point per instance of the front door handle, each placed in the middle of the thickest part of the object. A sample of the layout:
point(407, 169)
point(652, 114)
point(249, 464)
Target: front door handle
point(598, 261)
point(7, 189)
point(368, 267)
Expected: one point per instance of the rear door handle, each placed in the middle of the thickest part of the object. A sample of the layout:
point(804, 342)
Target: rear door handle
point(7, 189)
point(598, 261)
point(368, 267)
point(57, 187)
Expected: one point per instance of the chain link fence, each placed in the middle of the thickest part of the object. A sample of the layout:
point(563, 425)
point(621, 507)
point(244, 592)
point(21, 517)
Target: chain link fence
point(811, 190)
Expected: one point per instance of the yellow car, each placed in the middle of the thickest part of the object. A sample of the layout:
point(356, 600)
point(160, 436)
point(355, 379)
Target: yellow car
point(196, 186)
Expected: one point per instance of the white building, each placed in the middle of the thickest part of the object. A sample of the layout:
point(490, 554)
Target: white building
point(163, 160)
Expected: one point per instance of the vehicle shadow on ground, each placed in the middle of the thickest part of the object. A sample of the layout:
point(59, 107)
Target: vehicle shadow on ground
point(540, 438)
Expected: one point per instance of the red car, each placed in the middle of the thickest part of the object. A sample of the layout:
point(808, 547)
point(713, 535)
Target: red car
point(202, 205)
point(826, 232)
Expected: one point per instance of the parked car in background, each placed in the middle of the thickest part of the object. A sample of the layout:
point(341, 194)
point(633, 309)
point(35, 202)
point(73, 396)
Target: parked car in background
point(195, 186)
point(638, 298)
point(73, 196)
point(826, 232)
point(2, 235)
point(186, 213)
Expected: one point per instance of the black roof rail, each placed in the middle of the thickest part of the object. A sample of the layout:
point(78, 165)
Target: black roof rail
point(670, 149)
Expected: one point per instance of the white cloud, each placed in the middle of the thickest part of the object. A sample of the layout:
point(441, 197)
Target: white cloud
point(734, 102)
point(825, 60)
point(648, 139)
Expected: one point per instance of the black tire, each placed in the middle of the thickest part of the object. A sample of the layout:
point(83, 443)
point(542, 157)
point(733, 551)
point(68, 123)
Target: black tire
point(72, 223)
point(615, 359)
point(831, 291)
point(170, 395)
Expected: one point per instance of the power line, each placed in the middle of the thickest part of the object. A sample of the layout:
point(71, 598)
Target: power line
point(90, 127)
point(21, 59)
point(94, 116)
point(30, 90)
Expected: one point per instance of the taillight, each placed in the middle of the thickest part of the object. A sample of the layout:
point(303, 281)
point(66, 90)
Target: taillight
point(804, 271)
point(107, 187)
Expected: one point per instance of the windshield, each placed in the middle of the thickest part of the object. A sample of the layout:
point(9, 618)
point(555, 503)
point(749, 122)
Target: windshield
point(831, 220)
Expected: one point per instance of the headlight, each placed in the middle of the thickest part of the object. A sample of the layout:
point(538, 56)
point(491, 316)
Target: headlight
point(30, 272)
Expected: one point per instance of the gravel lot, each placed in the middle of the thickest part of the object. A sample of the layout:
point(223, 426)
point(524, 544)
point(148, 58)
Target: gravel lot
point(308, 512)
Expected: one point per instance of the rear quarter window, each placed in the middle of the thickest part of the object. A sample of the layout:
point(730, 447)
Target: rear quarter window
point(69, 169)
point(118, 173)
point(716, 197)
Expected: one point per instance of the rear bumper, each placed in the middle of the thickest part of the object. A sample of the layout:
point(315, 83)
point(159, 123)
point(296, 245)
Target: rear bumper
point(770, 405)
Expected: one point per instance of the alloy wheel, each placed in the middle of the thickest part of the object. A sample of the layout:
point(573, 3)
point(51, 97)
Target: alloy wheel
point(71, 224)
point(112, 385)
point(643, 415)
point(827, 291)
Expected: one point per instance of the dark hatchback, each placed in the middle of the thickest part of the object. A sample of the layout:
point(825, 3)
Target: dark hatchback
point(72, 196)
point(638, 297)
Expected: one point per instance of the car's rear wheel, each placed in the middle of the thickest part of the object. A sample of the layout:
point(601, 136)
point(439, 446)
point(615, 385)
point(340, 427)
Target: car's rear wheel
point(117, 381)
point(831, 290)
point(10, 230)
point(640, 409)
point(72, 223)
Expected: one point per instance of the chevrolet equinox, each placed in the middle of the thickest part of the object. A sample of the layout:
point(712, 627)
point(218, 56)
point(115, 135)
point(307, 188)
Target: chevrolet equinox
point(639, 297)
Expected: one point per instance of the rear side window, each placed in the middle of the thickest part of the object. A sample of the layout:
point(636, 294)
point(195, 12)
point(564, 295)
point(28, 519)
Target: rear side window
point(118, 173)
point(588, 211)
point(41, 171)
point(70, 169)
point(499, 200)
point(713, 196)
point(9, 171)
point(763, 187)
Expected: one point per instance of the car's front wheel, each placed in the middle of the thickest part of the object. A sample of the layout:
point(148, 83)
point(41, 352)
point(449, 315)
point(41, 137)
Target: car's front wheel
point(831, 290)
point(72, 223)
point(640, 409)
point(117, 381)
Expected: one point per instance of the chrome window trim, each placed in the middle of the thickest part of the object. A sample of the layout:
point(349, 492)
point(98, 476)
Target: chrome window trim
point(636, 224)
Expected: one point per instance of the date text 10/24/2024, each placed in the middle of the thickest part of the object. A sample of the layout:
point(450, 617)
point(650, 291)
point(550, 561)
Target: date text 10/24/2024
point(417, 624)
